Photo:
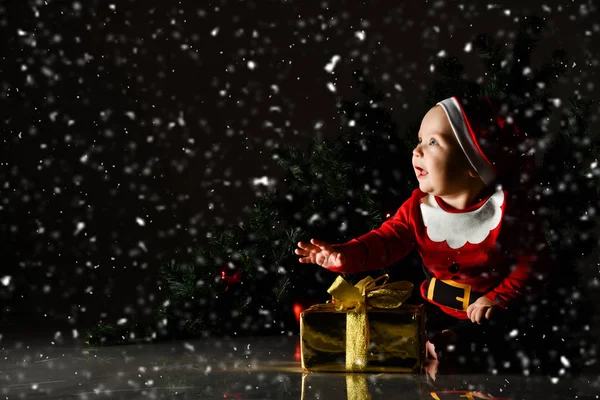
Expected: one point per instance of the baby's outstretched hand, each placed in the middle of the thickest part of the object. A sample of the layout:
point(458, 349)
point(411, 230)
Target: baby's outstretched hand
point(482, 309)
point(321, 253)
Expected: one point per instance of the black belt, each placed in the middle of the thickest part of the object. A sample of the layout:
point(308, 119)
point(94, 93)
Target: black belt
point(458, 296)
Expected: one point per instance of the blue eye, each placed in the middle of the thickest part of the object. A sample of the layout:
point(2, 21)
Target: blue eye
point(432, 142)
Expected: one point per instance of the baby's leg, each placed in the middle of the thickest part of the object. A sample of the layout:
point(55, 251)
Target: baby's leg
point(440, 334)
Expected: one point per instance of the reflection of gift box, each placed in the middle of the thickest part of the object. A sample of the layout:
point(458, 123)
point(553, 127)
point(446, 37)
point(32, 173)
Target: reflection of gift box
point(359, 386)
point(366, 328)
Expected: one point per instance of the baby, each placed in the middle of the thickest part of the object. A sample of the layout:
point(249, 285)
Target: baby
point(480, 256)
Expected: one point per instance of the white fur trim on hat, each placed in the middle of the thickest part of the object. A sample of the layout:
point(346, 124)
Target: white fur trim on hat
point(466, 140)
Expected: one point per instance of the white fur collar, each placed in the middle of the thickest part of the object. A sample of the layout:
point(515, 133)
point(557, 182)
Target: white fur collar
point(460, 228)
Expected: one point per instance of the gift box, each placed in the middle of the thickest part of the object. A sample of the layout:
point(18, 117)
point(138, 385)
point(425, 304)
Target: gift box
point(364, 328)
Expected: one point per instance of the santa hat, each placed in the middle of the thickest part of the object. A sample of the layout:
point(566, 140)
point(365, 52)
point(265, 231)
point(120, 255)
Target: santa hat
point(490, 142)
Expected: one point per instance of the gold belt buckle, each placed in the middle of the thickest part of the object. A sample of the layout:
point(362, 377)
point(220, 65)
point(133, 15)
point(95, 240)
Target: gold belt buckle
point(466, 291)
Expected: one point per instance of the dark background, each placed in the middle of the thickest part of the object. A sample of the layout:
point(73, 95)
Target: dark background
point(130, 127)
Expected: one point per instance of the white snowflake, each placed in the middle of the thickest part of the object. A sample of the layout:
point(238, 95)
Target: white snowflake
point(331, 65)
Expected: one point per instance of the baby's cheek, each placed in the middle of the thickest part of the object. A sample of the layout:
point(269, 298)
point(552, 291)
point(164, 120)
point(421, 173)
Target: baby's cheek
point(456, 170)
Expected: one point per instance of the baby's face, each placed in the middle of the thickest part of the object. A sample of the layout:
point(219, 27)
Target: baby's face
point(440, 164)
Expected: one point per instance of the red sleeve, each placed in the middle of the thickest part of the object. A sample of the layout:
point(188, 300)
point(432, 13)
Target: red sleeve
point(527, 276)
point(381, 247)
point(531, 263)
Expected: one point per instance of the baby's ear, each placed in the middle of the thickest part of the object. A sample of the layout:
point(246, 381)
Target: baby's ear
point(473, 173)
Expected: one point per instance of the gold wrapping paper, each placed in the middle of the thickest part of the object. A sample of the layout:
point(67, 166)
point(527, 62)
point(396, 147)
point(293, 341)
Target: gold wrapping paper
point(364, 329)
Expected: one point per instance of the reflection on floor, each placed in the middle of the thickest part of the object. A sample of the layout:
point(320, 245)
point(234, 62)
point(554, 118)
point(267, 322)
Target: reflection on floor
point(239, 368)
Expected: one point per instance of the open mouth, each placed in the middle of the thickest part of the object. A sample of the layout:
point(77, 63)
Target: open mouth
point(420, 172)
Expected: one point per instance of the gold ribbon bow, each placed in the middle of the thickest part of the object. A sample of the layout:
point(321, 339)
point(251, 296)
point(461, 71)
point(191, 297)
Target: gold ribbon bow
point(356, 300)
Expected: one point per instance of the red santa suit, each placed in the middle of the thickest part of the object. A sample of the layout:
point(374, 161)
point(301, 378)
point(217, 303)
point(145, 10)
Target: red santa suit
point(478, 250)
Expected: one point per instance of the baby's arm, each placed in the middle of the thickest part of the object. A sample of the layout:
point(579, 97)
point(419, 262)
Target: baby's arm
point(527, 275)
point(532, 266)
point(382, 246)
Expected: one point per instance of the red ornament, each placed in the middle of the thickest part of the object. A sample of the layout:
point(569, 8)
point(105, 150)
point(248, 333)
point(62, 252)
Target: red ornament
point(297, 310)
point(298, 354)
point(231, 279)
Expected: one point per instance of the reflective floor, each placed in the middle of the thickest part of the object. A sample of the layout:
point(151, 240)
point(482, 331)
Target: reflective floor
point(241, 368)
